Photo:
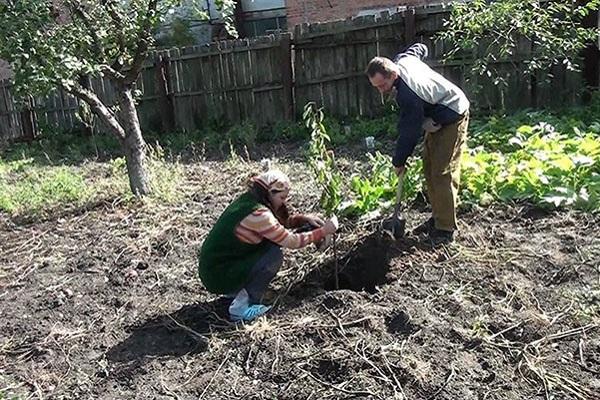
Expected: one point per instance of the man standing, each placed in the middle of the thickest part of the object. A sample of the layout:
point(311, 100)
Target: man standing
point(432, 105)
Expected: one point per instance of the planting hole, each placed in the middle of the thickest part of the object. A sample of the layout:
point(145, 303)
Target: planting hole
point(363, 269)
point(400, 323)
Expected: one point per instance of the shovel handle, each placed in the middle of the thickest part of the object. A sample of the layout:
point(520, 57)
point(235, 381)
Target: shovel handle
point(399, 194)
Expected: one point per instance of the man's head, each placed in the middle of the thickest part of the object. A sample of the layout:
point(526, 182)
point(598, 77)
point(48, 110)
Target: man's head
point(382, 73)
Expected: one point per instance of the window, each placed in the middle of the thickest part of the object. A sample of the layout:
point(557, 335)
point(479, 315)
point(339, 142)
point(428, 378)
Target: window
point(265, 26)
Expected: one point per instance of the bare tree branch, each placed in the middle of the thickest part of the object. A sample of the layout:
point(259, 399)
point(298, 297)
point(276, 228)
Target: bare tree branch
point(107, 116)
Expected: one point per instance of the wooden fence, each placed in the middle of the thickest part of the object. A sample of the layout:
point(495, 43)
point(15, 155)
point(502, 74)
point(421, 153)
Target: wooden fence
point(330, 60)
point(270, 78)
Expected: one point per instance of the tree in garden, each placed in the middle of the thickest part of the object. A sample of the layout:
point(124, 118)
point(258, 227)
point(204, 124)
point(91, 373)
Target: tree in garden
point(321, 160)
point(322, 163)
point(62, 43)
point(229, 10)
point(495, 30)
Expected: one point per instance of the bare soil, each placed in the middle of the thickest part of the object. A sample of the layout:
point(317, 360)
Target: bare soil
point(105, 303)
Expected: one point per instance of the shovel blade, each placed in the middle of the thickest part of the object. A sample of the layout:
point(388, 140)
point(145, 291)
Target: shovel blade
point(395, 227)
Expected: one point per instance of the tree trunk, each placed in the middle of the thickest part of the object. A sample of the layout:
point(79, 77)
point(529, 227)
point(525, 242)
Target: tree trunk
point(134, 146)
point(126, 129)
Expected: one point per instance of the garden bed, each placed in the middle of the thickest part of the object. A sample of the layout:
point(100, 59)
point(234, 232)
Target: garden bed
point(104, 302)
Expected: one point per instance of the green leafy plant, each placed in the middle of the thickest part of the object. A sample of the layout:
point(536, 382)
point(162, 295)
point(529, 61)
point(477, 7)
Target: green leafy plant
point(376, 189)
point(540, 165)
point(321, 160)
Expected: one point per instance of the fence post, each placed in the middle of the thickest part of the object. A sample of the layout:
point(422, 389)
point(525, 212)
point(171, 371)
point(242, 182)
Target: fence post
point(165, 99)
point(28, 122)
point(410, 30)
point(286, 76)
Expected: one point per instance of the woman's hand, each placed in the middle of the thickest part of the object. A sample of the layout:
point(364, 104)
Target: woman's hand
point(331, 225)
point(314, 221)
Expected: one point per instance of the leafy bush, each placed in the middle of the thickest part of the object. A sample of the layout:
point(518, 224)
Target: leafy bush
point(377, 188)
point(540, 165)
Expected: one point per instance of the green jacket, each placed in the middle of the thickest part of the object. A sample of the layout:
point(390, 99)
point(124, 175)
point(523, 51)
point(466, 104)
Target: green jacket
point(224, 261)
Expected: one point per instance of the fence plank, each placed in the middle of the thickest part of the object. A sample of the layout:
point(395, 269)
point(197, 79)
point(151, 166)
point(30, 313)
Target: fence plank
point(353, 66)
point(255, 62)
point(242, 77)
point(287, 78)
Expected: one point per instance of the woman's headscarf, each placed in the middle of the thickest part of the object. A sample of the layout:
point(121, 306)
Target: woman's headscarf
point(272, 180)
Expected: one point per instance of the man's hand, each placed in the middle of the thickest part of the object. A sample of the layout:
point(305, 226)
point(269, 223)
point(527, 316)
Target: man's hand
point(400, 170)
point(430, 126)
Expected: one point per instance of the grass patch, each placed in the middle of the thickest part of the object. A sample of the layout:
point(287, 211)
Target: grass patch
point(27, 187)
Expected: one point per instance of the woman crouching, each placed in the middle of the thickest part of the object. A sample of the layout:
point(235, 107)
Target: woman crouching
point(242, 253)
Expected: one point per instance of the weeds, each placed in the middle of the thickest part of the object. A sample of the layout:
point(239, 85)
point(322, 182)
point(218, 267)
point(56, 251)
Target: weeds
point(29, 188)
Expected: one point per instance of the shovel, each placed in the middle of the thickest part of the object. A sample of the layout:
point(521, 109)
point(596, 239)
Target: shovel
point(396, 225)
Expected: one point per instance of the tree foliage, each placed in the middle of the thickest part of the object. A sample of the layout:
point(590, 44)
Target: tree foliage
point(53, 43)
point(62, 43)
point(497, 29)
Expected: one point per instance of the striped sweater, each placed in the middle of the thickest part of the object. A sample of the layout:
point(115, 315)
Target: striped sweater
point(262, 224)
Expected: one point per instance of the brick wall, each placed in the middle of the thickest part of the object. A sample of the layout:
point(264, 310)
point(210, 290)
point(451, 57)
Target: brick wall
point(301, 11)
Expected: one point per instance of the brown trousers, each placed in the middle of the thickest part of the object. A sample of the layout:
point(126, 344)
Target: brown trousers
point(441, 166)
